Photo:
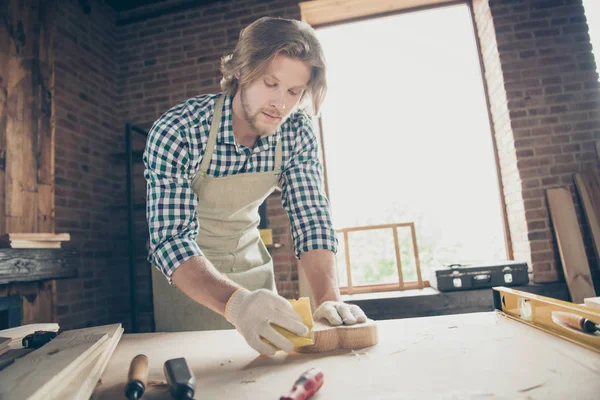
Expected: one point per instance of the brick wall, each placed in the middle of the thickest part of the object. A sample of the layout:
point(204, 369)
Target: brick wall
point(545, 103)
point(90, 183)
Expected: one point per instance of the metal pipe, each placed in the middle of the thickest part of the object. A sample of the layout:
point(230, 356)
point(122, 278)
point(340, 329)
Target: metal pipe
point(131, 230)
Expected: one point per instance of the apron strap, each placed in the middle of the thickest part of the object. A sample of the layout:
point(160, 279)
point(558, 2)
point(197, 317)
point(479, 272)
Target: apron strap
point(278, 156)
point(214, 132)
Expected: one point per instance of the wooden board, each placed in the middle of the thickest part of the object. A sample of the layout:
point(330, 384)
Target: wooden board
point(41, 370)
point(329, 338)
point(466, 356)
point(82, 384)
point(28, 66)
point(570, 245)
point(26, 265)
point(588, 186)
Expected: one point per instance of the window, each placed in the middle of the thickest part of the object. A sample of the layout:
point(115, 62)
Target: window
point(406, 139)
point(592, 14)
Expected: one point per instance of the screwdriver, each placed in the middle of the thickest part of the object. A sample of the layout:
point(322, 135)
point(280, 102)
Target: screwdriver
point(306, 385)
point(180, 378)
point(137, 377)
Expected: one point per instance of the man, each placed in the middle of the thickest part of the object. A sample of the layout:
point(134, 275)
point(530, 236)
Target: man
point(211, 162)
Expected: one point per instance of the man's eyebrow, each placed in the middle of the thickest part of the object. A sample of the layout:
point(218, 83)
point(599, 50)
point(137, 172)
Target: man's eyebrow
point(303, 87)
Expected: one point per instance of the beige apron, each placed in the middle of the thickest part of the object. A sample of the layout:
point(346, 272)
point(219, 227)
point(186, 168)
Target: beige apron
point(228, 236)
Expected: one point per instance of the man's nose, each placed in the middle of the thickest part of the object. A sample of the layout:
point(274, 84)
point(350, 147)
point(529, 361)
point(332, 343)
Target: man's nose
point(278, 101)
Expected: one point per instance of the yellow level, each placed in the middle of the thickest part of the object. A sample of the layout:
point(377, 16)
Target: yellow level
point(570, 321)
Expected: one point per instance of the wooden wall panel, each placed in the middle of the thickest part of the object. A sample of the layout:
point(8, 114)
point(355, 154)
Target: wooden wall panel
point(28, 187)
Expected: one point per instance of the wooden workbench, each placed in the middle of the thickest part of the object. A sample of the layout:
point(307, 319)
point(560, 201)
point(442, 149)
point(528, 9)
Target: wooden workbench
point(465, 356)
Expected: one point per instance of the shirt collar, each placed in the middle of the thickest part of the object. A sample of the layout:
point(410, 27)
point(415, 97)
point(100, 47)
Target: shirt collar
point(225, 135)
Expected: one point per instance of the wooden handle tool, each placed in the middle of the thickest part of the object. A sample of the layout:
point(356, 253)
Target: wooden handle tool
point(137, 377)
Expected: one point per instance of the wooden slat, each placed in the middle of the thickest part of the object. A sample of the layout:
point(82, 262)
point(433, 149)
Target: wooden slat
point(40, 307)
point(398, 258)
point(413, 234)
point(82, 384)
point(4, 56)
point(570, 244)
point(26, 265)
point(29, 126)
point(50, 237)
point(373, 227)
point(588, 185)
point(321, 12)
point(348, 267)
point(34, 375)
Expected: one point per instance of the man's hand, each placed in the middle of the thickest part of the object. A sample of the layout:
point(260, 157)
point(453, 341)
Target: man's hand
point(338, 313)
point(252, 313)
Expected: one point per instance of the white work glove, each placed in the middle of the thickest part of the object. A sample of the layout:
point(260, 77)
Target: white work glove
point(338, 313)
point(252, 314)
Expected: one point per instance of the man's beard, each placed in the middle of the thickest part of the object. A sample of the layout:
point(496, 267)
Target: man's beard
point(252, 119)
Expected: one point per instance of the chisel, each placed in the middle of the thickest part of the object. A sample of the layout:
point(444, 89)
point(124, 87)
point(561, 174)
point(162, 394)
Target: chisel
point(137, 377)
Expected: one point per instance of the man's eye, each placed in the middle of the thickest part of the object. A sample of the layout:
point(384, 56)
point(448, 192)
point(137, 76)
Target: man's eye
point(293, 93)
point(270, 84)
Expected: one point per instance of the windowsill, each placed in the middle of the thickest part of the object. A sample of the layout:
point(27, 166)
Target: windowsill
point(430, 301)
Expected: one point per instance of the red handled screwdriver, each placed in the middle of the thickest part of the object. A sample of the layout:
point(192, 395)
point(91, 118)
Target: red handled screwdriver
point(306, 386)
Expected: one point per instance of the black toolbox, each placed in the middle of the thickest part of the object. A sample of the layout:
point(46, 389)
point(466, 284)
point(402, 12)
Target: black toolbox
point(478, 275)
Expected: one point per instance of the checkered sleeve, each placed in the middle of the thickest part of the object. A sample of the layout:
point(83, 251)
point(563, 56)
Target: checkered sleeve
point(170, 202)
point(303, 195)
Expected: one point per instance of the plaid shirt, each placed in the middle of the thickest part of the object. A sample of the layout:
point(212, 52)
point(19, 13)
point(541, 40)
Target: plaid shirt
point(172, 157)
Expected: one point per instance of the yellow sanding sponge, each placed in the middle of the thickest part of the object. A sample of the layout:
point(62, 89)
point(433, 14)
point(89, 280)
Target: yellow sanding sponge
point(302, 307)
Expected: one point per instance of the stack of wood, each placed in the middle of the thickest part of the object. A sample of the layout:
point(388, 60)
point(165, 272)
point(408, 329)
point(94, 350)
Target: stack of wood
point(568, 234)
point(67, 367)
point(33, 240)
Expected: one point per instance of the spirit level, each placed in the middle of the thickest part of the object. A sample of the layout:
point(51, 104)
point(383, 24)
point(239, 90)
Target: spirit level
point(576, 323)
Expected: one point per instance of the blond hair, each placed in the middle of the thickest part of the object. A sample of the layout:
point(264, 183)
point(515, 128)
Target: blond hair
point(258, 45)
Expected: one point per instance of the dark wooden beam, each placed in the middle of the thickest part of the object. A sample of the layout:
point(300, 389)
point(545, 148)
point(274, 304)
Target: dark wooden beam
point(29, 265)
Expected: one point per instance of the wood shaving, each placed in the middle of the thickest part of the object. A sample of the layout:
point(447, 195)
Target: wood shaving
point(397, 351)
point(358, 354)
point(247, 381)
point(452, 327)
point(157, 383)
point(226, 362)
point(531, 388)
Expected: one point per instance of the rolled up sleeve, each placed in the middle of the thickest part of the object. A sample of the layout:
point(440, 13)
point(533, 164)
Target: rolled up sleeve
point(303, 195)
point(170, 203)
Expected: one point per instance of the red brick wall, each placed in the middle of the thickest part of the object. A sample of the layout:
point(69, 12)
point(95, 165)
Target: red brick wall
point(90, 183)
point(545, 101)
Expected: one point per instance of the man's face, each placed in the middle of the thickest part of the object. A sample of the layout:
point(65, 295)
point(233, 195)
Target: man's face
point(270, 99)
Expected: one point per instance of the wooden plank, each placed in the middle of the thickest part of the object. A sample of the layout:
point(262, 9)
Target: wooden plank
point(588, 185)
point(54, 237)
point(471, 356)
point(19, 93)
point(27, 265)
point(570, 244)
point(45, 212)
point(331, 11)
point(44, 151)
point(82, 384)
point(40, 307)
point(4, 56)
point(38, 372)
point(29, 126)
